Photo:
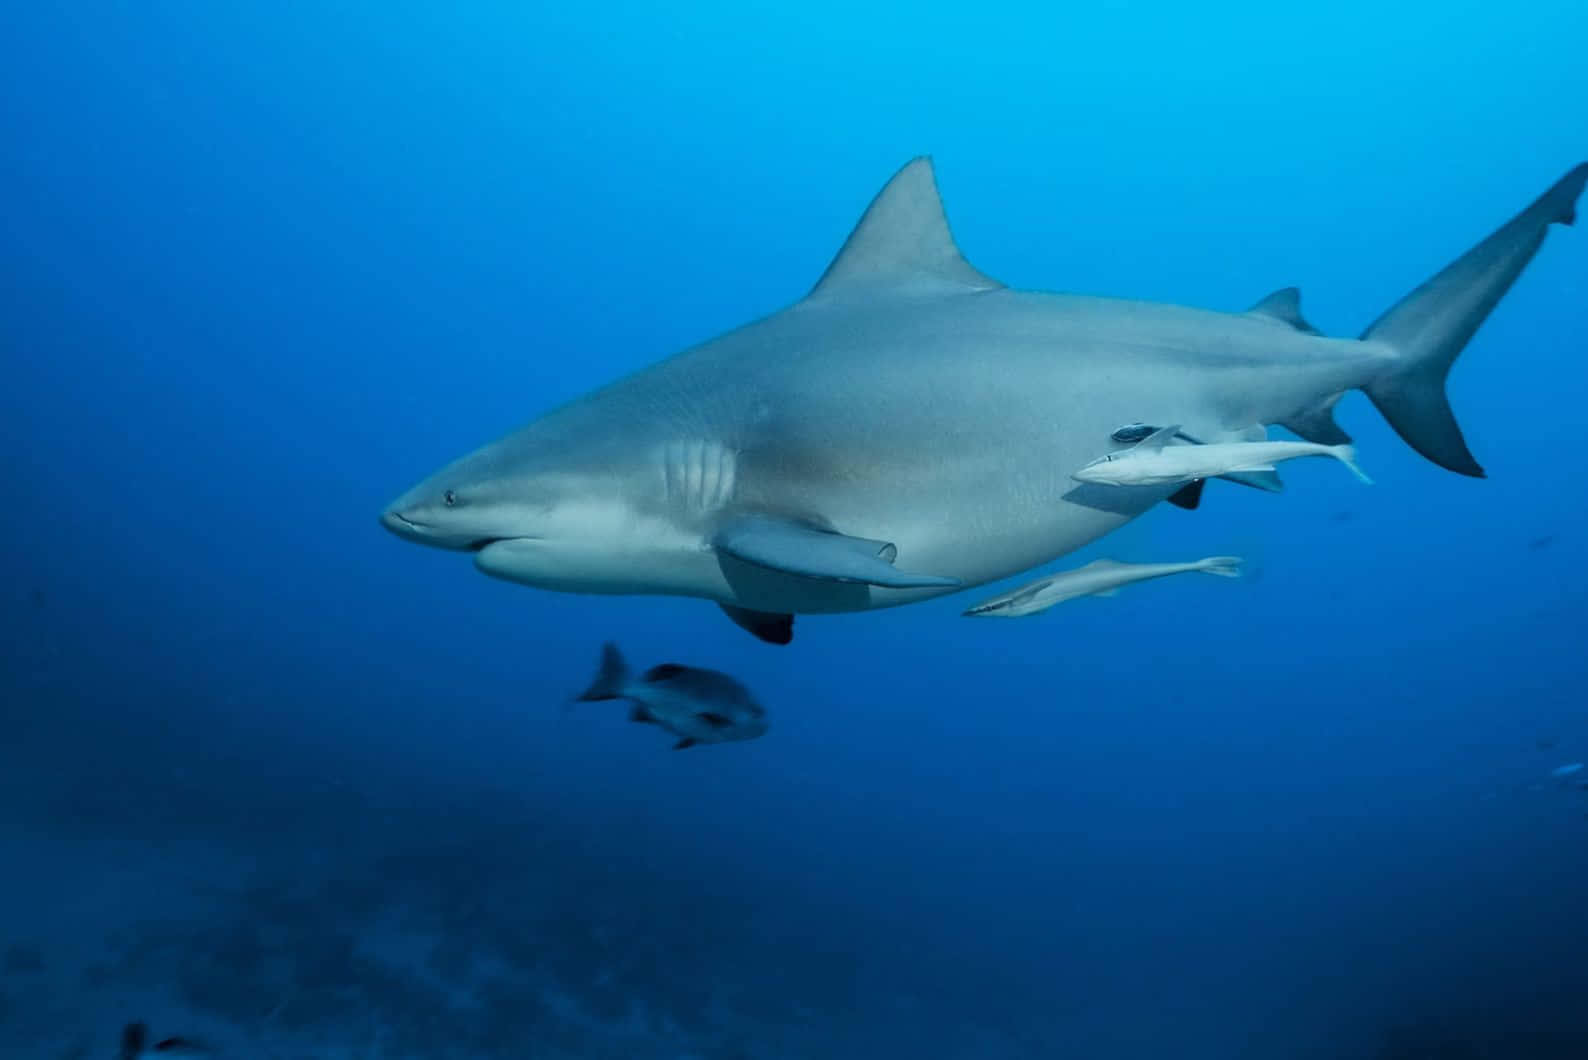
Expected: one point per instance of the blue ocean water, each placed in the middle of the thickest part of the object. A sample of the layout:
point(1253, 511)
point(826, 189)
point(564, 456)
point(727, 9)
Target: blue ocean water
point(282, 783)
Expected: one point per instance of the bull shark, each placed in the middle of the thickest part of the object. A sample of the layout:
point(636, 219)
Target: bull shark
point(910, 427)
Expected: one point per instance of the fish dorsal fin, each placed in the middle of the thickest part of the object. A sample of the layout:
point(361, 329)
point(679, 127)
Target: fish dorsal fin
point(1258, 432)
point(902, 244)
point(1157, 439)
point(1284, 307)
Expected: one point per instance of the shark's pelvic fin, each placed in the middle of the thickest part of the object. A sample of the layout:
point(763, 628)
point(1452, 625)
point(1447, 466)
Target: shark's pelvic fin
point(903, 244)
point(812, 553)
point(1284, 307)
point(1429, 327)
point(774, 629)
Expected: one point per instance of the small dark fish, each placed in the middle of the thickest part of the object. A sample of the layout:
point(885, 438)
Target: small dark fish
point(135, 1043)
point(1545, 743)
point(134, 1039)
point(696, 705)
point(1344, 516)
point(38, 599)
point(1539, 544)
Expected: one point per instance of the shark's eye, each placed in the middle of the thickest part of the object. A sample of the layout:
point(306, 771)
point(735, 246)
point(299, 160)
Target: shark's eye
point(449, 498)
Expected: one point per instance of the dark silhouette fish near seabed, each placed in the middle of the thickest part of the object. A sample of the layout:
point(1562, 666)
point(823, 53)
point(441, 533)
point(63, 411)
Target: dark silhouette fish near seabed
point(910, 427)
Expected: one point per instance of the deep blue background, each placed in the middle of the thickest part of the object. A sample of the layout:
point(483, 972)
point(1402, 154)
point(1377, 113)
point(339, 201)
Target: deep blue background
point(265, 267)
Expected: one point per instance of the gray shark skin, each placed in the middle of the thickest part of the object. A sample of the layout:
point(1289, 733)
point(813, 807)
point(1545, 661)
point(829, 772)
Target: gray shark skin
point(909, 428)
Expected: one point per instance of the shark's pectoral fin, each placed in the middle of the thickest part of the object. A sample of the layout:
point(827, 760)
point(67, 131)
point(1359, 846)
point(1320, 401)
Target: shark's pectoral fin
point(764, 625)
point(812, 553)
point(1188, 496)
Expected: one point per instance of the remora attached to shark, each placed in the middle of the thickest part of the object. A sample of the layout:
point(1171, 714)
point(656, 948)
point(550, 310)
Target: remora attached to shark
point(910, 427)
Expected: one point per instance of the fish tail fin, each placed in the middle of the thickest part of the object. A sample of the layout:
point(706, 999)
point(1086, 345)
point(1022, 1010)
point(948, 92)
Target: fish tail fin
point(1346, 454)
point(1428, 328)
point(611, 679)
point(1223, 566)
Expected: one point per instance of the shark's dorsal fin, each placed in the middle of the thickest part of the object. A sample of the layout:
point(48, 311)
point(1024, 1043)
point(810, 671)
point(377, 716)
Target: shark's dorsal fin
point(1284, 307)
point(902, 244)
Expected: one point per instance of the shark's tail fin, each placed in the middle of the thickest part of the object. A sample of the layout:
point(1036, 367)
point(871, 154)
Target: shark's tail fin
point(1429, 327)
point(611, 679)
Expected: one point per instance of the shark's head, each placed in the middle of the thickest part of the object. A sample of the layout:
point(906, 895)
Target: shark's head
point(469, 505)
point(547, 517)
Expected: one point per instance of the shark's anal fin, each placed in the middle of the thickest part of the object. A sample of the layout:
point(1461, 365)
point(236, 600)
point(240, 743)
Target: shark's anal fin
point(792, 548)
point(1316, 423)
point(764, 625)
point(1188, 496)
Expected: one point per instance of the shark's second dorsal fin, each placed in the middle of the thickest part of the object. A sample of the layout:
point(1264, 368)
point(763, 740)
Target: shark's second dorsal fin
point(1284, 307)
point(903, 244)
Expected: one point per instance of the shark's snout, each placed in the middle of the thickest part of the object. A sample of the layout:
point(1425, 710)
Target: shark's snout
point(393, 520)
point(410, 525)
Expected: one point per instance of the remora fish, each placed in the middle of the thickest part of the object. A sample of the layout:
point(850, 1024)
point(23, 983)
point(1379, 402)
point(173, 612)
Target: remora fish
point(1154, 462)
point(1103, 577)
point(909, 427)
point(1189, 496)
point(696, 705)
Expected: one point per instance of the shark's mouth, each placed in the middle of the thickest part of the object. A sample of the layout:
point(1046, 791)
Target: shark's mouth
point(481, 544)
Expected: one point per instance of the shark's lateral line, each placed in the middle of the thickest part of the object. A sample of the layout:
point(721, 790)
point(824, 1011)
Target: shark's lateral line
point(911, 426)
